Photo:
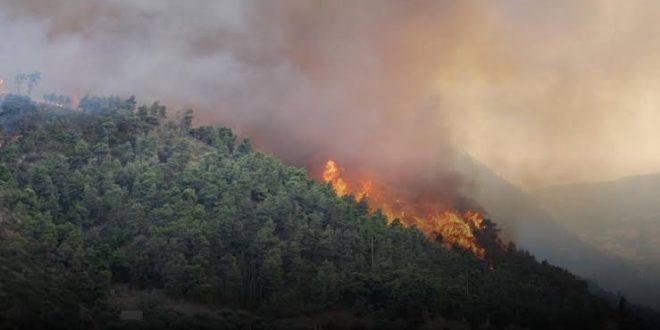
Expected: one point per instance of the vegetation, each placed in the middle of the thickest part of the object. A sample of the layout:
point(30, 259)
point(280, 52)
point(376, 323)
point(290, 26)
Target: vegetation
point(32, 80)
point(112, 195)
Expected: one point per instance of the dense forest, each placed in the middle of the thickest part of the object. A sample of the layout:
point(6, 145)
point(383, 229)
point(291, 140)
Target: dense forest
point(112, 207)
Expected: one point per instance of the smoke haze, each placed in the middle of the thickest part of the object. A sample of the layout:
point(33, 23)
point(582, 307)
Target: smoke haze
point(542, 92)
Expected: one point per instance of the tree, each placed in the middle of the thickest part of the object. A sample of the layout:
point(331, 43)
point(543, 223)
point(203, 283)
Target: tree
point(186, 121)
point(21, 78)
point(233, 281)
point(33, 80)
point(326, 284)
point(244, 147)
point(109, 194)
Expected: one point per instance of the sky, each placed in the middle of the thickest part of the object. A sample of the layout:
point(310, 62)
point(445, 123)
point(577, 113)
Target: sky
point(543, 93)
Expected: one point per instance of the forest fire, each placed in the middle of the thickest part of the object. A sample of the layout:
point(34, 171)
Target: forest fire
point(453, 227)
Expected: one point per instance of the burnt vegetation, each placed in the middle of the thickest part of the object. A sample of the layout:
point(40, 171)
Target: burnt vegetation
point(113, 197)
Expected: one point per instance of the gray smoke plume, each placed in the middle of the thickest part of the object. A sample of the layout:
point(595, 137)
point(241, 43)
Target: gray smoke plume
point(541, 92)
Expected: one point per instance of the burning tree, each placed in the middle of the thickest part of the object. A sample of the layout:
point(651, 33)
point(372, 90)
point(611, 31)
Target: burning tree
point(57, 100)
point(452, 227)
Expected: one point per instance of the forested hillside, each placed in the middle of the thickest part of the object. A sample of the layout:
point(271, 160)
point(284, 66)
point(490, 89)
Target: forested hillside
point(111, 197)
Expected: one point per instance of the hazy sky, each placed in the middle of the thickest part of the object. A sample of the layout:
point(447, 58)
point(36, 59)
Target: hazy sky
point(543, 92)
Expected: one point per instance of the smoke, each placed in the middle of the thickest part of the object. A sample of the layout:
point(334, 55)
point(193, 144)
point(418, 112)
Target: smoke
point(543, 92)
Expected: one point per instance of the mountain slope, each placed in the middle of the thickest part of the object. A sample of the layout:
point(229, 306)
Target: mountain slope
point(527, 222)
point(621, 217)
point(113, 208)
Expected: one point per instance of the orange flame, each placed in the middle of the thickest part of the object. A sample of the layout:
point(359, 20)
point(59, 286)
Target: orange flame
point(452, 227)
point(332, 176)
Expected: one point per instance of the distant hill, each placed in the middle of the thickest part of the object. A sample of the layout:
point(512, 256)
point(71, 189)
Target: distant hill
point(114, 216)
point(621, 217)
point(560, 238)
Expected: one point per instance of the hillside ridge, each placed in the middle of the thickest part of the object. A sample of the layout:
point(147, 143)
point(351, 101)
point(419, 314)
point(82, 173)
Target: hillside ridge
point(112, 194)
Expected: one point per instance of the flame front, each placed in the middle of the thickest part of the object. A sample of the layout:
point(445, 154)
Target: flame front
point(452, 227)
point(332, 176)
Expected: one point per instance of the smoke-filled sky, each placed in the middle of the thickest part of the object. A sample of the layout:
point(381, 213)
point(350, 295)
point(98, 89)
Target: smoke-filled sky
point(543, 92)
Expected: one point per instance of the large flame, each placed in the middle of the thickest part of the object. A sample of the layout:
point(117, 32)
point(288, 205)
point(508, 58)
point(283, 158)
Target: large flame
point(332, 176)
point(454, 228)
